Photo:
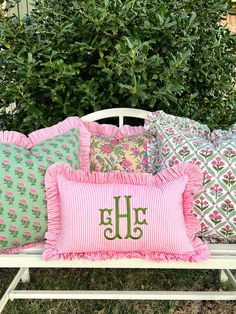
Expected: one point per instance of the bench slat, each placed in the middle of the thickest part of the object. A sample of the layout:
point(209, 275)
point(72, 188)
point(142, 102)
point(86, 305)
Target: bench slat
point(35, 261)
point(122, 295)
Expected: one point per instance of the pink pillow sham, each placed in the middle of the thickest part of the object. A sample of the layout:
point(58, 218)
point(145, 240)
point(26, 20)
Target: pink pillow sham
point(117, 215)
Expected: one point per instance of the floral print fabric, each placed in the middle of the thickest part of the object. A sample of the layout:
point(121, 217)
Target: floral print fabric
point(128, 154)
point(180, 139)
point(22, 197)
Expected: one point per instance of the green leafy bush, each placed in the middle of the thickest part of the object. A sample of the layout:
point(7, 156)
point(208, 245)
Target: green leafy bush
point(73, 57)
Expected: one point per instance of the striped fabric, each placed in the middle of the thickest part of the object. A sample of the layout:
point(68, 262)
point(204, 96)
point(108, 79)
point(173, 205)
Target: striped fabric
point(104, 215)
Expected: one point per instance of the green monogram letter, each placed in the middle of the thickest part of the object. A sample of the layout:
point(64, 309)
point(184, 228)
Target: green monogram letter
point(108, 220)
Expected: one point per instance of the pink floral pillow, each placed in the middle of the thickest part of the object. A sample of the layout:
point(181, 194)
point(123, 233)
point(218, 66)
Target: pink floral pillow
point(116, 215)
point(113, 148)
point(178, 139)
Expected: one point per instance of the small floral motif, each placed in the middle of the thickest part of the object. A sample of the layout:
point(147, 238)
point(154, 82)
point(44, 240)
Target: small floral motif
point(69, 159)
point(178, 139)
point(7, 152)
point(1, 207)
point(29, 163)
point(58, 154)
point(207, 178)
point(227, 231)
point(65, 147)
point(21, 188)
point(18, 158)
point(23, 204)
point(229, 152)
point(106, 148)
point(184, 151)
point(2, 224)
point(215, 217)
point(27, 235)
point(125, 163)
point(32, 178)
point(204, 227)
point(229, 179)
point(46, 149)
point(8, 181)
point(53, 144)
point(15, 243)
point(218, 164)
point(42, 168)
point(13, 230)
point(19, 172)
point(75, 152)
point(6, 165)
point(195, 161)
point(25, 221)
point(58, 138)
point(38, 156)
point(36, 211)
point(206, 152)
point(3, 240)
point(33, 194)
point(202, 204)
point(18, 149)
point(9, 196)
point(50, 160)
point(12, 214)
point(71, 140)
point(216, 190)
point(37, 226)
point(173, 161)
point(198, 143)
point(227, 206)
point(169, 131)
point(165, 151)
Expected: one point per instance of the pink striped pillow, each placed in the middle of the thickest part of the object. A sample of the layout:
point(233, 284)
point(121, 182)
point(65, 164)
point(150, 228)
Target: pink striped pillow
point(105, 215)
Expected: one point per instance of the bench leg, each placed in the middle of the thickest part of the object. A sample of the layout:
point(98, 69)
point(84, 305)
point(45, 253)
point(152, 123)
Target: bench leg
point(226, 275)
point(26, 276)
point(12, 286)
point(223, 277)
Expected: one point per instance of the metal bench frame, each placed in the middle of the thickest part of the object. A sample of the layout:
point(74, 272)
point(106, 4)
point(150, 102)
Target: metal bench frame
point(223, 258)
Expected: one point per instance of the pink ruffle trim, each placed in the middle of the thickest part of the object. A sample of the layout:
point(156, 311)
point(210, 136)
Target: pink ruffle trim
point(41, 135)
point(200, 250)
point(13, 137)
point(18, 249)
point(112, 130)
point(200, 254)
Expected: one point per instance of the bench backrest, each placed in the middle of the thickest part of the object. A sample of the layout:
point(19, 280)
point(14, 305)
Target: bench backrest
point(121, 113)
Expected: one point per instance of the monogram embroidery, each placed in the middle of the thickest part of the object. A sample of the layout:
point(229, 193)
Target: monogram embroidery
point(131, 233)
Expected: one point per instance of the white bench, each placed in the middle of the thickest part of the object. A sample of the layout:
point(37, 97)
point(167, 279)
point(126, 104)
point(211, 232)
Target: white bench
point(223, 258)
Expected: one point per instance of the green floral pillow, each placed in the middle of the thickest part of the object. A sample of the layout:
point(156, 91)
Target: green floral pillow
point(182, 140)
point(22, 198)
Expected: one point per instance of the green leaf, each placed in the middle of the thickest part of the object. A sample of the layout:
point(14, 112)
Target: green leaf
point(128, 42)
point(71, 59)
